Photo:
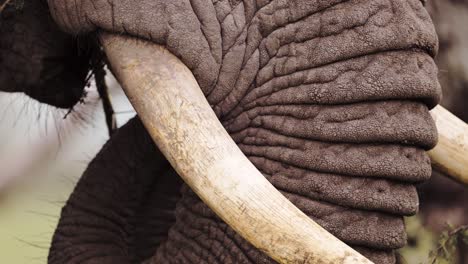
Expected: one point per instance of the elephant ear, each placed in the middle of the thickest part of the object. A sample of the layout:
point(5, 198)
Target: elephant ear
point(36, 58)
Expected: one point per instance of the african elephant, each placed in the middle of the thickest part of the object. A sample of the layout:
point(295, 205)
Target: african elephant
point(328, 99)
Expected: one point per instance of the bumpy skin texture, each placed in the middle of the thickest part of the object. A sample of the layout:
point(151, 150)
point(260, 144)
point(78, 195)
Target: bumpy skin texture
point(329, 99)
point(128, 183)
point(37, 58)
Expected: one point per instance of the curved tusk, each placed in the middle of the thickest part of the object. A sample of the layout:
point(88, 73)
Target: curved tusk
point(450, 155)
point(174, 110)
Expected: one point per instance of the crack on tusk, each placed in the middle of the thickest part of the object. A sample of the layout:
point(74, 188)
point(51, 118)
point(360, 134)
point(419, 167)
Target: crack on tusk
point(191, 137)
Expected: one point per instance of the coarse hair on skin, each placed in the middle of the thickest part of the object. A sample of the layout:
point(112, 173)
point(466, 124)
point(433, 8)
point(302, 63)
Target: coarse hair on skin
point(47, 119)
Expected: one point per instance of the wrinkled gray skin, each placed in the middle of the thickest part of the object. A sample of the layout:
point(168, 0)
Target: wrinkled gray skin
point(328, 99)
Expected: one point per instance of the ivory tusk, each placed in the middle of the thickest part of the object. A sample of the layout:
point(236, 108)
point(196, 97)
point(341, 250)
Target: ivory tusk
point(174, 110)
point(450, 155)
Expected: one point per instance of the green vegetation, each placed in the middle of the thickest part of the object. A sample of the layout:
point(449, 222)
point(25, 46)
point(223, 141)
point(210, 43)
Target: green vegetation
point(448, 244)
point(425, 247)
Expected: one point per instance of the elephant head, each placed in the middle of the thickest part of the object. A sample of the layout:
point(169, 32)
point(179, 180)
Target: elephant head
point(328, 99)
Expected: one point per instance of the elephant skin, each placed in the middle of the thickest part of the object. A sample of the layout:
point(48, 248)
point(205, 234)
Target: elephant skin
point(37, 58)
point(329, 100)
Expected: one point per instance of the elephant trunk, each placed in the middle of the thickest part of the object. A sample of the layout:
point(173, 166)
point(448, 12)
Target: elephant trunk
point(187, 131)
point(183, 125)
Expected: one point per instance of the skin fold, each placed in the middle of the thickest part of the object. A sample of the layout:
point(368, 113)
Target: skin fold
point(328, 99)
point(128, 183)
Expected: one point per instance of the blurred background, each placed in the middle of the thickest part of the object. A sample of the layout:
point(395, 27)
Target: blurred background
point(42, 155)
